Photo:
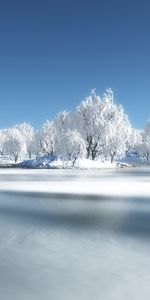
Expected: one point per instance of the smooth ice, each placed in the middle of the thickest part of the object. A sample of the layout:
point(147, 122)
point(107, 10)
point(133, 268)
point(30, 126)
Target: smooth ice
point(85, 245)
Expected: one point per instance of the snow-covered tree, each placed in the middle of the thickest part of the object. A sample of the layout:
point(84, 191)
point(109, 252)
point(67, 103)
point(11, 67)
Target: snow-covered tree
point(73, 146)
point(89, 122)
point(98, 128)
point(146, 132)
point(117, 131)
point(63, 122)
point(2, 140)
point(27, 133)
point(14, 144)
point(143, 144)
point(143, 150)
point(134, 138)
point(35, 147)
point(117, 127)
point(103, 125)
point(47, 138)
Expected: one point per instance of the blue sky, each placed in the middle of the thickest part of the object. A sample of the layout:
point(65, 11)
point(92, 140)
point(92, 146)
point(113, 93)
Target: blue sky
point(52, 53)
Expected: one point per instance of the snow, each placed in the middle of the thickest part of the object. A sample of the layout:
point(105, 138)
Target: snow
point(41, 162)
point(55, 162)
point(49, 161)
point(94, 164)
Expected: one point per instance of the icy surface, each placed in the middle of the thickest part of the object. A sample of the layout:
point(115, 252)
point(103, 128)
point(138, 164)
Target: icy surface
point(76, 243)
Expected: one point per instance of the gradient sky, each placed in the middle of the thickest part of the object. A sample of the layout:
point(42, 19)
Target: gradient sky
point(52, 53)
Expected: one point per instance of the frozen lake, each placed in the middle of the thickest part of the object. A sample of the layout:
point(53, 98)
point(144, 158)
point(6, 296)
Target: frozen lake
point(75, 234)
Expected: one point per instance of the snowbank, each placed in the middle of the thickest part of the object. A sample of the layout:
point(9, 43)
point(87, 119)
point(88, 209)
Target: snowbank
point(54, 162)
point(93, 164)
point(48, 162)
point(44, 162)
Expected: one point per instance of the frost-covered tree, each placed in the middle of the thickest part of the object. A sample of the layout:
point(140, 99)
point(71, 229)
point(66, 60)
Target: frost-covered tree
point(116, 127)
point(89, 122)
point(143, 144)
point(73, 146)
point(35, 144)
point(103, 125)
point(27, 133)
point(63, 122)
point(98, 128)
point(2, 140)
point(143, 150)
point(47, 137)
point(146, 132)
point(134, 137)
point(117, 130)
point(14, 144)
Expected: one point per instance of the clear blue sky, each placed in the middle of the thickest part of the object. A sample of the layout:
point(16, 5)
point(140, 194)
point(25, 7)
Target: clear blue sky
point(52, 53)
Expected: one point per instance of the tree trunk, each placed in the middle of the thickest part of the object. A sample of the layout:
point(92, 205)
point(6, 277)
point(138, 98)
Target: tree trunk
point(88, 148)
point(147, 156)
point(16, 158)
point(74, 161)
point(93, 155)
point(29, 153)
point(88, 151)
point(112, 157)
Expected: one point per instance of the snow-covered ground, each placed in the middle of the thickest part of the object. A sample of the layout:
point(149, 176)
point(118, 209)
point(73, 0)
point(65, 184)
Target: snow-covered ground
point(70, 234)
point(53, 162)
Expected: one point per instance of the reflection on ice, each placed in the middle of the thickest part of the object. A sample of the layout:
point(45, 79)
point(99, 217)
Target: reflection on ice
point(74, 246)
